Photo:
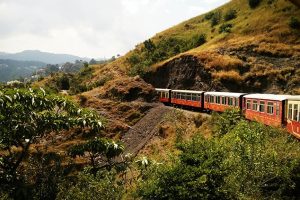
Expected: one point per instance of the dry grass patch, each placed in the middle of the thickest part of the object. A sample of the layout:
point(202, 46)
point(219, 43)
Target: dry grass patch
point(227, 75)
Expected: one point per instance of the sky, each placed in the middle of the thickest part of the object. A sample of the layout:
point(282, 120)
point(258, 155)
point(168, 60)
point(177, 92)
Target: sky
point(90, 28)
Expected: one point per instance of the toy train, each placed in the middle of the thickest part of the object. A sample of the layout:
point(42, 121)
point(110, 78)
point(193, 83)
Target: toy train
point(270, 109)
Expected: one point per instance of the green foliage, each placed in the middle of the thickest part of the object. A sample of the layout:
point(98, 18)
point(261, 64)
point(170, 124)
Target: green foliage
point(149, 45)
point(198, 175)
point(101, 148)
point(251, 161)
point(294, 23)
point(230, 14)
point(209, 15)
point(201, 40)
point(225, 28)
point(103, 185)
point(63, 82)
point(254, 3)
point(225, 122)
point(26, 115)
point(216, 18)
point(141, 60)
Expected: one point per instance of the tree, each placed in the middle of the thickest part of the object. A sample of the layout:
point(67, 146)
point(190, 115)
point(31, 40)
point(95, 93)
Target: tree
point(93, 61)
point(25, 116)
point(254, 3)
point(102, 149)
point(149, 45)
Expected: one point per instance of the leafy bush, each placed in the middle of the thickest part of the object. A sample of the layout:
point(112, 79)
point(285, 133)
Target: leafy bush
point(254, 3)
point(216, 18)
point(225, 28)
point(230, 14)
point(208, 16)
point(294, 23)
point(103, 185)
point(251, 161)
point(225, 122)
point(27, 115)
point(201, 40)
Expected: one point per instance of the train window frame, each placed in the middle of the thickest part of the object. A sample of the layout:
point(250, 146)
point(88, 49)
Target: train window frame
point(295, 112)
point(194, 97)
point(270, 108)
point(198, 97)
point(255, 105)
point(230, 101)
point(248, 104)
point(188, 96)
point(290, 111)
point(218, 100)
point(223, 100)
point(212, 99)
point(236, 102)
point(262, 106)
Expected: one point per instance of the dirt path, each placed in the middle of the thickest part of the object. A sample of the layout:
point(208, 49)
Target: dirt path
point(139, 134)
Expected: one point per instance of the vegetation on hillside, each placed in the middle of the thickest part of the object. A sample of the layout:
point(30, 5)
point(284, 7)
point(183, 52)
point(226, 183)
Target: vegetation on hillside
point(249, 161)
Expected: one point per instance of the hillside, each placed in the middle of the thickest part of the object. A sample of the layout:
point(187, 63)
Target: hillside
point(36, 55)
point(232, 48)
point(14, 69)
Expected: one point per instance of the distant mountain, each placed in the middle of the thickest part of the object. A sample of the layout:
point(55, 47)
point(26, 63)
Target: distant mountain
point(14, 69)
point(45, 57)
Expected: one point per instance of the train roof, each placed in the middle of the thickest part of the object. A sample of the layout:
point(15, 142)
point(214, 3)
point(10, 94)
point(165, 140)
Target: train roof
point(189, 91)
point(162, 89)
point(227, 94)
point(276, 97)
point(294, 97)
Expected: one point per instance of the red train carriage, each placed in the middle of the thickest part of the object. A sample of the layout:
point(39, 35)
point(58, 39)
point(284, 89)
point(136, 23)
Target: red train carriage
point(268, 109)
point(220, 101)
point(187, 98)
point(292, 116)
point(163, 94)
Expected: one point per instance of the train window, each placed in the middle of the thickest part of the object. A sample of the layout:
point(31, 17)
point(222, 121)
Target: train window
point(270, 108)
point(212, 99)
point(277, 108)
point(198, 98)
point(206, 99)
point(224, 100)
point(218, 100)
point(230, 101)
point(194, 97)
point(248, 106)
point(290, 111)
point(178, 95)
point(188, 96)
point(182, 95)
point(295, 114)
point(254, 106)
point(261, 106)
point(236, 100)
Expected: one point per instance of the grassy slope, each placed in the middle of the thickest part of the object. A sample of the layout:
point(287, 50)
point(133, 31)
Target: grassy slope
point(265, 26)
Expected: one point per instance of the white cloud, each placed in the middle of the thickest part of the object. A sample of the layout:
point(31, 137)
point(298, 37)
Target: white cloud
point(90, 28)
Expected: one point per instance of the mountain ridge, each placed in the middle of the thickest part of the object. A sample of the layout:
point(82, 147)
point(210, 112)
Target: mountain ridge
point(41, 56)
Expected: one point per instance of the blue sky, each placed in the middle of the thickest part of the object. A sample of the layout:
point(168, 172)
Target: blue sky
point(91, 28)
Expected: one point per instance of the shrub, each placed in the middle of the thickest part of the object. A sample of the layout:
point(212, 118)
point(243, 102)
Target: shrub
point(208, 16)
point(254, 3)
point(199, 119)
point(294, 23)
point(225, 28)
point(231, 14)
point(215, 20)
point(201, 40)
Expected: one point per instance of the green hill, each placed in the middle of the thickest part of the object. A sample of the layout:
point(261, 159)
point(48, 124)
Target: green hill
point(235, 47)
